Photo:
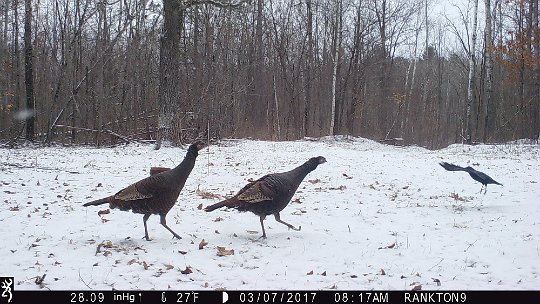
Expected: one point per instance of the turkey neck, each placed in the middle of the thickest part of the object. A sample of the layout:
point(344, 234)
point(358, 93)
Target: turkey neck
point(181, 172)
point(300, 172)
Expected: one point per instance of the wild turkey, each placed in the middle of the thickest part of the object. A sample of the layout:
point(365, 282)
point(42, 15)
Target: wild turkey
point(270, 194)
point(155, 194)
point(476, 175)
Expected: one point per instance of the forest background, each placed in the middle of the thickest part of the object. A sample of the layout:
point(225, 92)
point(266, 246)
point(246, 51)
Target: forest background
point(422, 72)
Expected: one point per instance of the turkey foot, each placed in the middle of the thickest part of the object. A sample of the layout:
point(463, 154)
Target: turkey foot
point(278, 219)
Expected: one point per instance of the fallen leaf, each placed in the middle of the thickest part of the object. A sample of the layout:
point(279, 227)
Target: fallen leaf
point(417, 288)
point(389, 246)
point(218, 219)
point(106, 211)
point(168, 266)
point(202, 244)
point(145, 265)
point(206, 194)
point(186, 271)
point(310, 273)
point(39, 280)
point(199, 207)
point(314, 181)
point(104, 220)
point(323, 274)
point(132, 261)
point(338, 188)
point(354, 276)
point(224, 252)
point(182, 252)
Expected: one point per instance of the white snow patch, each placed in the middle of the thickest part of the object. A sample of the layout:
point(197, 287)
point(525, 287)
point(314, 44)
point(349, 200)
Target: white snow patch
point(372, 217)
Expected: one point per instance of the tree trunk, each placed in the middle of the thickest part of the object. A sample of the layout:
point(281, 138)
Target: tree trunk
point(308, 77)
point(471, 78)
point(4, 57)
point(337, 37)
point(409, 88)
point(536, 102)
point(260, 92)
point(169, 65)
point(28, 71)
point(276, 134)
point(358, 73)
point(381, 110)
point(488, 44)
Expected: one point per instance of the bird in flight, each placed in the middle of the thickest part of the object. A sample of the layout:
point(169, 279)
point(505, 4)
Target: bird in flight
point(475, 174)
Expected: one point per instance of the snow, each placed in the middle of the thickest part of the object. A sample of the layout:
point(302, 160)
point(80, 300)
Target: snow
point(373, 217)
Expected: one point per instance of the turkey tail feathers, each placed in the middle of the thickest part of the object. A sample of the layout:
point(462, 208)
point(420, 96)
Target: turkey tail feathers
point(97, 202)
point(226, 203)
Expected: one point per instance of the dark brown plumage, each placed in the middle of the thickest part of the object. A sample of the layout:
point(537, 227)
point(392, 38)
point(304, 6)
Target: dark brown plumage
point(155, 194)
point(157, 170)
point(271, 193)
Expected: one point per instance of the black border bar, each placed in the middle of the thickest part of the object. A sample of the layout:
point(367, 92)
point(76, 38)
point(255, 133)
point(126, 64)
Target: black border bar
point(271, 296)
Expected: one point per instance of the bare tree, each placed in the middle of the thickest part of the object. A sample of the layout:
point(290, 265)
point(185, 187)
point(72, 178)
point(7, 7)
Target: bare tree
point(29, 115)
point(335, 60)
point(536, 12)
point(308, 78)
point(471, 78)
point(488, 46)
point(169, 84)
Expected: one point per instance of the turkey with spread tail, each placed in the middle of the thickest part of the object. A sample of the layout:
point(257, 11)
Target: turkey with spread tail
point(155, 194)
point(270, 194)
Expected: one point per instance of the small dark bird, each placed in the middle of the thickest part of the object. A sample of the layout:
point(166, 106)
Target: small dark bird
point(476, 175)
point(155, 194)
point(270, 194)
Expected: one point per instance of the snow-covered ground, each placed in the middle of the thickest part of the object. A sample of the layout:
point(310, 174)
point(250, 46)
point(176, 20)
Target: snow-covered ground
point(372, 217)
